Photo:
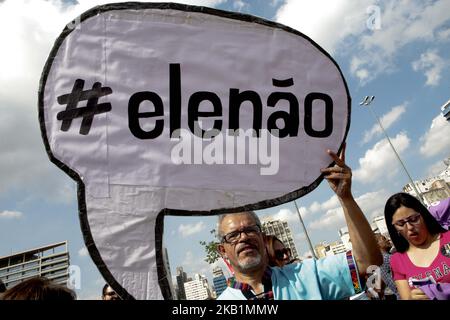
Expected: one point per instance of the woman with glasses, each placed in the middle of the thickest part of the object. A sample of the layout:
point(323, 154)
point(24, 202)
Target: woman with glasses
point(423, 246)
point(278, 254)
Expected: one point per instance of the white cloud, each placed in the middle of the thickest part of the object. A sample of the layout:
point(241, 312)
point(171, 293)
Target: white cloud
point(238, 5)
point(436, 140)
point(444, 34)
point(83, 252)
point(332, 218)
point(28, 30)
point(381, 160)
point(300, 237)
point(6, 214)
point(432, 64)
point(190, 229)
point(371, 32)
point(326, 22)
point(435, 169)
point(371, 204)
point(316, 207)
point(283, 215)
point(387, 120)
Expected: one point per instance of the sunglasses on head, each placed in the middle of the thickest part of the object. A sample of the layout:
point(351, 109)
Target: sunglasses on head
point(279, 254)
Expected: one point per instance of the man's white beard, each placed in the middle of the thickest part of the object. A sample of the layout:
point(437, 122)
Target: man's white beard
point(250, 263)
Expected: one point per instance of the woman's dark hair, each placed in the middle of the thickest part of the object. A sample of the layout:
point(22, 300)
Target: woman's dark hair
point(270, 244)
point(406, 200)
point(2, 286)
point(39, 288)
point(104, 289)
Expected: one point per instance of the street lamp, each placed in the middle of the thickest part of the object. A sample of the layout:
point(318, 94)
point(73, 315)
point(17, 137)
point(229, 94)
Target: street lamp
point(366, 102)
point(306, 233)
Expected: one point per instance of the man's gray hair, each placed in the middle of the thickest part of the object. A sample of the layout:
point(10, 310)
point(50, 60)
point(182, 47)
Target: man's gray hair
point(222, 216)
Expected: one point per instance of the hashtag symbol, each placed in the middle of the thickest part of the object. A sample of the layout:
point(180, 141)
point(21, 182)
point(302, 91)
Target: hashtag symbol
point(88, 112)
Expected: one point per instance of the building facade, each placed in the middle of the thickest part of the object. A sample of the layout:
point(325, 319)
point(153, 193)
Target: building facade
point(181, 279)
point(281, 230)
point(219, 280)
point(434, 188)
point(197, 289)
point(51, 261)
point(173, 293)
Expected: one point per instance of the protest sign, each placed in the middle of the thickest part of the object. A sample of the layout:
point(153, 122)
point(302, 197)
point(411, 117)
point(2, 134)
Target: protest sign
point(158, 108)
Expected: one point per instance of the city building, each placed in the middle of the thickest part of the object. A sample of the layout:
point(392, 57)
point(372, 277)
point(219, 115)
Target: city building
point(181, 279)
point(324, 249)
point(51, 261)
point(173, 294)
point(281, 230)
point(219, 280)
point(434, 188)
point(198, 288)
point(446, 110)
point(379, 225)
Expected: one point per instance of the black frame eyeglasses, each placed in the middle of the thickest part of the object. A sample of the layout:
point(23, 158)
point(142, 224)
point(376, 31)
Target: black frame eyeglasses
point(412, 219)
point(234, 236)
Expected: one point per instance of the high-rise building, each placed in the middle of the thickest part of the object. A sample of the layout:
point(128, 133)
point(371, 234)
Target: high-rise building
point(51, 261)
point(324, 249)
point(281, 230)
point(219, 280)
point(434, 188)
point(380, 223)
point(169, 274)
point(181, 279)
point(197, 289)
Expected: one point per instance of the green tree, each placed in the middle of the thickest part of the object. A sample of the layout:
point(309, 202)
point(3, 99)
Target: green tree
point(212, 254)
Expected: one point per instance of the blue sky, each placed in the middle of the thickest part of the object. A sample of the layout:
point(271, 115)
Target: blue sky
point(396, 50)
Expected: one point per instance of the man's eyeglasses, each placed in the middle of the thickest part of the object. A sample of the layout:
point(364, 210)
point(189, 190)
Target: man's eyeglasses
point(234, 236)
point(414, 220)
point(279, 254)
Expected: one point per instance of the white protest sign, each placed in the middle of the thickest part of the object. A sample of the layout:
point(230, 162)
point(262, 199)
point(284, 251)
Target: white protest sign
point(159, 109)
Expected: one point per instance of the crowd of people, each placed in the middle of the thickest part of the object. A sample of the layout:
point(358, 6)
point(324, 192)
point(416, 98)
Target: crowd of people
point(414, 264)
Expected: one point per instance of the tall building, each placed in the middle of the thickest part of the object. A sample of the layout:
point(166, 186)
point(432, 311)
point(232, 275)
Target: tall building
point(169, 274)
point(219, 280)
point(197, 289)
point(181, 279)
point(380, 224)
point(446, 110)
point(325, 249)
point(434, 188)
point(281, 230)
point(51, 261)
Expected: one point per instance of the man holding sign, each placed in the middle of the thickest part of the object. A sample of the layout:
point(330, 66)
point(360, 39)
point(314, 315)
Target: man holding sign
point(159, 109)
point(334, 277)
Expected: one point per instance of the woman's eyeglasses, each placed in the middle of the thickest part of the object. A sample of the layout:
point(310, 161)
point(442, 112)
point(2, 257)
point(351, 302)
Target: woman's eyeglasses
point(414, 220)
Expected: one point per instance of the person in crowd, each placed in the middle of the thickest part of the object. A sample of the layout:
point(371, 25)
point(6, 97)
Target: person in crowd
point(390, 293)
point(108, 293)
point(335, 277)
point(423, 246)
point(39, 288)
point(277, 252)
point(2, 286)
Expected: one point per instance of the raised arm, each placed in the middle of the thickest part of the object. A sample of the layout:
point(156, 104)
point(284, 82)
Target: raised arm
point(365, 248)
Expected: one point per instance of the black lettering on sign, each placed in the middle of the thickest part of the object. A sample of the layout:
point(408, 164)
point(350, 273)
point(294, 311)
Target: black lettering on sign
point(88, 112)
point(134, 115)
point(310, 131)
